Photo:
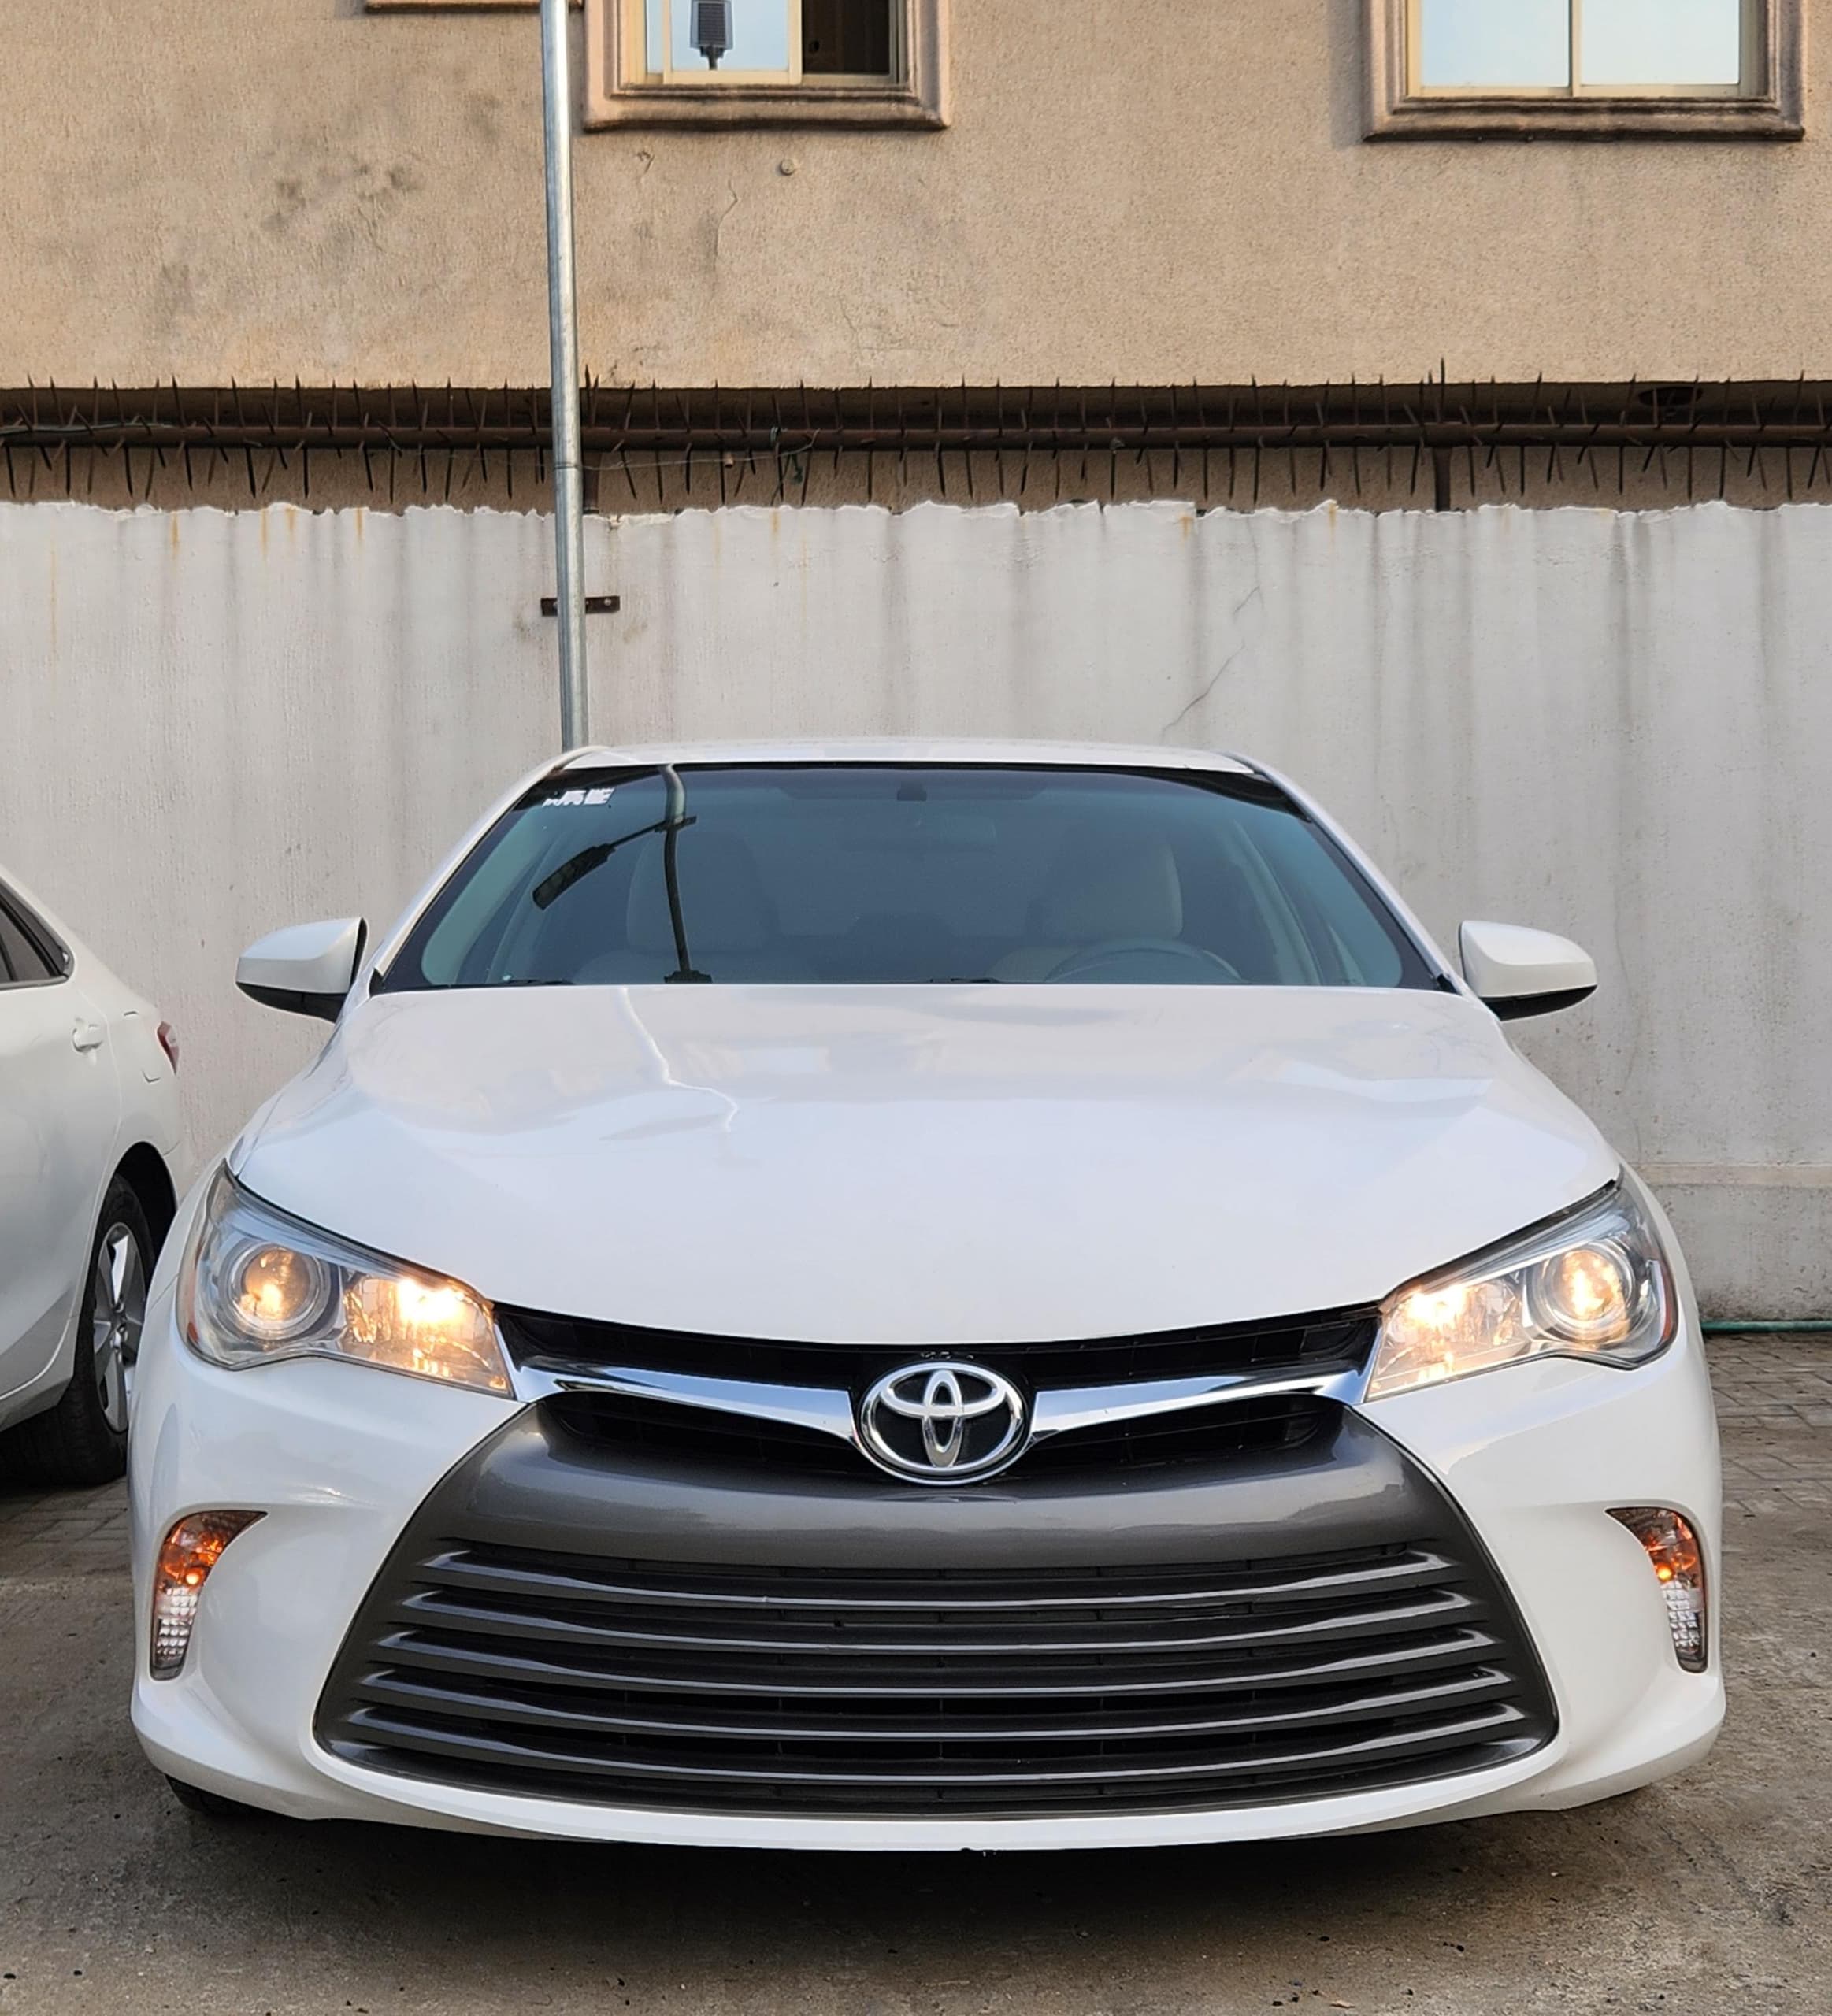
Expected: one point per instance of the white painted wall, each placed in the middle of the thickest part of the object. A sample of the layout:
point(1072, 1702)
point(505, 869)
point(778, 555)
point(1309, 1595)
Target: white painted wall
point(1611, 725)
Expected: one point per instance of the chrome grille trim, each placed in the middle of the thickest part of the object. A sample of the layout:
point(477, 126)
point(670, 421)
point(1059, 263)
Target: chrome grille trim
point(829, 1411)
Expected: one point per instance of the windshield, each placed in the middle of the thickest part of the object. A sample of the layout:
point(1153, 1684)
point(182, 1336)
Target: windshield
point(906, 874)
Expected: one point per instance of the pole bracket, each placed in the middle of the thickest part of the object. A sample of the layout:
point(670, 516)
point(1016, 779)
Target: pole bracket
point(594, 605)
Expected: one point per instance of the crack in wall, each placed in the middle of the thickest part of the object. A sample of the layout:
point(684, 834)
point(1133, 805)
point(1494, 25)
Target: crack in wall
point(1222, 671)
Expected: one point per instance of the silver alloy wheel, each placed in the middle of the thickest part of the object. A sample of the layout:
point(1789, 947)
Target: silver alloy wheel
point(118, 1300)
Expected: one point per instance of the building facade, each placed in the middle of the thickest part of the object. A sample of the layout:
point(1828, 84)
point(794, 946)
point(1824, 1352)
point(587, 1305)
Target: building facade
point(1151, 194)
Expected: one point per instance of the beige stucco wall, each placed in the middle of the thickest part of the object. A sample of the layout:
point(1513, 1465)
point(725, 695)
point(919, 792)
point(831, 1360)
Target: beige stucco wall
point(1151, 190)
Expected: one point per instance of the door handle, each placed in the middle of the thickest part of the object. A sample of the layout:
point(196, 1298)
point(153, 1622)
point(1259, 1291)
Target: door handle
point(87, 1036)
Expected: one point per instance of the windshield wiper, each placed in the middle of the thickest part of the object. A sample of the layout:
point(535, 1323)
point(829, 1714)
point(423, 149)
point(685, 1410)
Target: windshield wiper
point(673, 823)
point(548, 892)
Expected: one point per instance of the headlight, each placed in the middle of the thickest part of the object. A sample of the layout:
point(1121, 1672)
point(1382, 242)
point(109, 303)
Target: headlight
point(1594, 1285)
point(256, 1286)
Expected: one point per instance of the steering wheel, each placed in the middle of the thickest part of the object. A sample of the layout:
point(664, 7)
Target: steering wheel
point(1112, 951)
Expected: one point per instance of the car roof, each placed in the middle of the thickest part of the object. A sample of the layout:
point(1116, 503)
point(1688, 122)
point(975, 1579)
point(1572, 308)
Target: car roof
point(1099, 755)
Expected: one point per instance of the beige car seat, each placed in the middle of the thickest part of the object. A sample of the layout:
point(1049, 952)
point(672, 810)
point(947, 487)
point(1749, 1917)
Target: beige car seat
point(729, 918)
point(1126, 891)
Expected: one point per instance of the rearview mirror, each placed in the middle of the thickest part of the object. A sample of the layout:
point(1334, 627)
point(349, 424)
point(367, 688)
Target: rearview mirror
point(306, 969)
point(1517, 971)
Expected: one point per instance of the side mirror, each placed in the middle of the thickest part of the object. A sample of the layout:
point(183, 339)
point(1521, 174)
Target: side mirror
point(306, 969)
point(1517, 971)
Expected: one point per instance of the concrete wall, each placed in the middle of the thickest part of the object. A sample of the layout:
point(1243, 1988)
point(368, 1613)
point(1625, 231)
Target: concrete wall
point(1605, 723)
point(1154, 190)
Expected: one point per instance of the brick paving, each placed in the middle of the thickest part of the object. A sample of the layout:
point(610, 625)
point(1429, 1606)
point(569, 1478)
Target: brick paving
point(59, 1533)
point(1778, 1377)
point(1775, 1411)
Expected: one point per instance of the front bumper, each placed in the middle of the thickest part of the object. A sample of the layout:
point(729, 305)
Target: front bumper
point(350, 1466)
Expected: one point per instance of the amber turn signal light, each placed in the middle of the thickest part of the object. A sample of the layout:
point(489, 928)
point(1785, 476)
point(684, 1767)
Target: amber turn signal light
point(1678, 1561)
point(191, 1550)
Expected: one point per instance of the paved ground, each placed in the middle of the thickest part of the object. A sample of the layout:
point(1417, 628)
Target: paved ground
point(1710, 1896)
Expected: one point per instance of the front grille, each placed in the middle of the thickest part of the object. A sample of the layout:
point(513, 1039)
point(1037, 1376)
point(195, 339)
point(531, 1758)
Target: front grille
point(667, 1685)
point(1336, 1340)
point(624, 1425)
point(1315, 1346)
point(1253, 1425)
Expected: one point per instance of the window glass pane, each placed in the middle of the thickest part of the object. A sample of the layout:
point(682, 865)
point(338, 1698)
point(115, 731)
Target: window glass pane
point(847, 38)
point(1501, 44)
point(713, 35)
point(906, 875)
point(1661, 42)
point(19, 957)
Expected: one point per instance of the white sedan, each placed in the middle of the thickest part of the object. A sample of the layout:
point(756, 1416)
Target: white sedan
point(89, 1125)
point(920, 1296)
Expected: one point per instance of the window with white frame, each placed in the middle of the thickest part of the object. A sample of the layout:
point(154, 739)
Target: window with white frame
point(869, 62)
point(1585, 67)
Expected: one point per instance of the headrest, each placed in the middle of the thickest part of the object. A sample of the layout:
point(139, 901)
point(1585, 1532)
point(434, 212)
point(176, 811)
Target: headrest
point(724, 905)
point(1129, 890)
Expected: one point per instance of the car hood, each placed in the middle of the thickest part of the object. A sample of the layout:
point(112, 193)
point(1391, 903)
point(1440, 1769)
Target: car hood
point(923, 1165)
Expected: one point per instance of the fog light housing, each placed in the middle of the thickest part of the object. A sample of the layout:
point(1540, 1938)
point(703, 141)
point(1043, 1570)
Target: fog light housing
point(189, 1551)
point(1678, 1564)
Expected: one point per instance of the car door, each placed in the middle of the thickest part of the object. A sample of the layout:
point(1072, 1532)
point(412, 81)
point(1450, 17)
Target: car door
point(60, 1109)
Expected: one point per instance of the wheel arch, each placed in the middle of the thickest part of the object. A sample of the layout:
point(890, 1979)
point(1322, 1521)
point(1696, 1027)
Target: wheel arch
point(143, 1170)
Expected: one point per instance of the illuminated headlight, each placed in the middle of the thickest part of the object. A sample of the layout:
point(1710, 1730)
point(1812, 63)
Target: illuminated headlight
point(1595, 1284)
point(257, 1287)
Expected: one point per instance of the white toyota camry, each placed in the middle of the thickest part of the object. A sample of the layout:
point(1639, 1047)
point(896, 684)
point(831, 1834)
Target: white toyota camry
point(920, 1296)
point(89, 1129)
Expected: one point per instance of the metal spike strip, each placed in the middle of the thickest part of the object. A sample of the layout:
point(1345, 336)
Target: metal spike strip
point(1769, 441)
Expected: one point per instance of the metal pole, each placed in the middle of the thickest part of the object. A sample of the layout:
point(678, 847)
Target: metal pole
point(563, 353)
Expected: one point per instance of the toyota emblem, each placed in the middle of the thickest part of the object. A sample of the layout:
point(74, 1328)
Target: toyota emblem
point(943, 1423)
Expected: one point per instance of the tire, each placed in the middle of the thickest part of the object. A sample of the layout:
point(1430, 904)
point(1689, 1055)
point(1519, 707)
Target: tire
point(207, 1806)
point(83, 1440)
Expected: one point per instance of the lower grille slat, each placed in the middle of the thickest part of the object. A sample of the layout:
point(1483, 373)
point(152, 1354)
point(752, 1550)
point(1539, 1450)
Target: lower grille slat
point(417, 1651)
point(414, 1734)
point(868, 1641)
point(389, 1690)
point(463, 1569)
point(665, 1685)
